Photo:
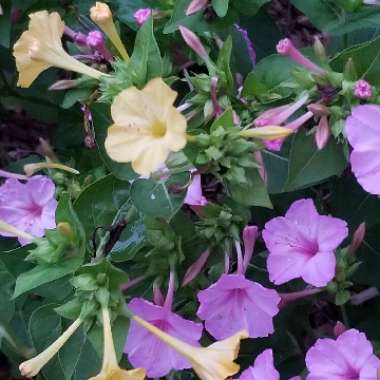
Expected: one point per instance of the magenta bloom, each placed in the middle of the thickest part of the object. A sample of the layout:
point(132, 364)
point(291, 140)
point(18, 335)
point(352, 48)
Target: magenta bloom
point(263, 369)
point(234, 303)
point(302, 244)
point(363, 133)
point(141, 15)
point(145, 350)
point(362, 90)
point(194, 196)
point(29, 206)
point(349, 357)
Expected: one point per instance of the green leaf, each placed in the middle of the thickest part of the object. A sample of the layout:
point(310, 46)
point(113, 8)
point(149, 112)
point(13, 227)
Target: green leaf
point(249, 7)
point(252, 193)
point(102, 120)
point(366, 59)
point(225, 120)
point(223, 64)
point(75, 95)
point(162, 198)
point(5, 24)
point(98, 204)
point(146, 59)
point(43, 274)
point(220, 7)
point(308, 165)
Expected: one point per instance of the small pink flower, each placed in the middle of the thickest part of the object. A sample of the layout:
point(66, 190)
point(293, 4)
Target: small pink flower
point(362, 89)
point(194, 196)
point(28, 206)
point(363, 133)
point(263, 369)
point(141, 15)
point(286, 47)
point(349, 357)
point(302, 244)
point(145, 350)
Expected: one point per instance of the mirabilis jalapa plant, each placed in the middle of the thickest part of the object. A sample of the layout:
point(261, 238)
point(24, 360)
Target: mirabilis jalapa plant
point(192, 158)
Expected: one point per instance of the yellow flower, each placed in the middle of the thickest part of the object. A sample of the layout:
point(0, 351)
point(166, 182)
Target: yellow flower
point(147, 127)
point(269, 132)
point(32, 367)
point(40, 47)
point(101, 14)
point(215, 362)
point(110, 368)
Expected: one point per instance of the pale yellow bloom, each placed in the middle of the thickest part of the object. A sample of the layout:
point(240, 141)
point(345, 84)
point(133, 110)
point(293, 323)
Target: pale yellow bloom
point(110, 368)
point(147, 127)
point(101, 14)
point(32, 367)
point(215, 362)
point(40, 47)
point(269, 132)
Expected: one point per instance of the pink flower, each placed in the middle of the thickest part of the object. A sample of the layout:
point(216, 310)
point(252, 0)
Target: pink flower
point(363, 133)
point(286, 47)
point(279, 115)
point(234, 303)
point(362, 89)
point(349, 357)
point(141, 15)
point(302, 244)
point(29, 206)
point(145, 350)
point(263, 369)
point(194, 196)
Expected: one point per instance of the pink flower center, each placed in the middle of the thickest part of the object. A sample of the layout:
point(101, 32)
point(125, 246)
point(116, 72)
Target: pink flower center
point(34, 210)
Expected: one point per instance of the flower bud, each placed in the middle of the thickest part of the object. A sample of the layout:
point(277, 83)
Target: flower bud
point(339, 328)
point(64, 84)
point(362, 89)
point(193, 41)
point(141, 15)
point(322, 133)
point(65, 230)
point(357, 239)
point(319, 50)
point(100, 13)
point(196, 6)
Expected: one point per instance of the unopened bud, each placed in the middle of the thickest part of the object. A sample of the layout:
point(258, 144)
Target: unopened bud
point(339, 329)
point(322, 133)
point(319, 50)
point(193, 41)
point(318, 109)
point(269, 132)
point(63, 85)
point(349, 71)
point(196, 6)
point(357, 239)
point(100, 13)
point(65, 230)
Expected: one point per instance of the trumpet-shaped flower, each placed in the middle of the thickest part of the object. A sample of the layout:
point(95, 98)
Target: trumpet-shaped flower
point(302, 244)
point(101, 14)
point(30, 206)
point(147, 127)
point(234, 303)
point(263, 369)
point(215, 362)
point(40, 47)
point(110, 368)
point(349, 357)
point(146, 350)
point(363, 133)
point(32, 367)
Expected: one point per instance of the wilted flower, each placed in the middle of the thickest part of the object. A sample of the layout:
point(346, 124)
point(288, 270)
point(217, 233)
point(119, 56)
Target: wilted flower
point(101, 14)
point(286, 47)
point(349, 357)
point(146, 350)
point(30, 206)
point(40, 47)
point(147, 127)
point(215, 362)
point(302, 244)
point(110, 367)
point(362, 89)
point(194, 196)
point(363, 133)
point(141, 15)
point(32, 367)
point(234, 303)
point(263, 369)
